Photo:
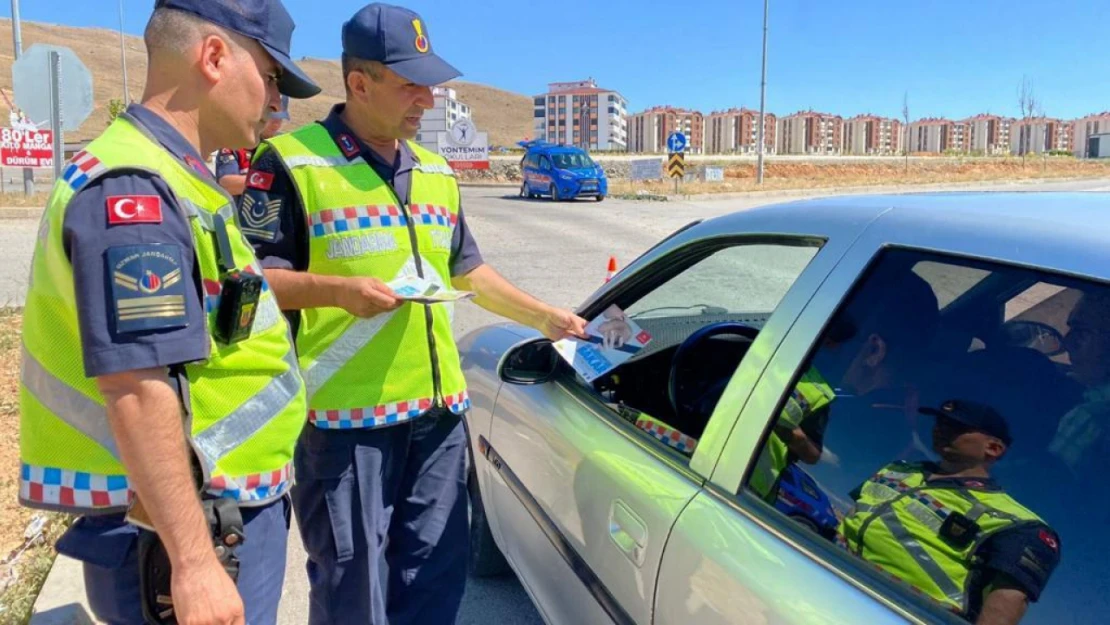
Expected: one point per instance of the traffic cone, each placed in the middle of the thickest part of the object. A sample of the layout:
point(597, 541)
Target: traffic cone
point(612, 268)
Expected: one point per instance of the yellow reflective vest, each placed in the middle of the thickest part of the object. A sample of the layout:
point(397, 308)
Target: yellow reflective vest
point(896, 526)
point(395, 366)
point(811, 395)
point(247, 400)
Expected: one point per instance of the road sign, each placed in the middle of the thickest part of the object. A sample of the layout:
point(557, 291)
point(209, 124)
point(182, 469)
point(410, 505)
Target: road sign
point(676, 142)
point(463, 146)
point(713, 174)
point(647, 169)
point(676, 165)
point(31, 82)
point(22, 148)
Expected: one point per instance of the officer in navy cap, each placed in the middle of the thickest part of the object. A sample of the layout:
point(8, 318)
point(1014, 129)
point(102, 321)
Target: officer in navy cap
point(125, 239)
point(338, 210)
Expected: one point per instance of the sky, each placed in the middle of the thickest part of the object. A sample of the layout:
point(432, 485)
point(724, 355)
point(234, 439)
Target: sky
point(950, 58)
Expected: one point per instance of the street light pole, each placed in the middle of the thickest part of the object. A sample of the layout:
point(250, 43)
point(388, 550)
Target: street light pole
point(123, 57)
point(763, 96)
point(17, 37)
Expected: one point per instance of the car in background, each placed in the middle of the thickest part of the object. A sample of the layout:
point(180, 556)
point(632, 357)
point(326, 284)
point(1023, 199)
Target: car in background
point(603, 521)
point(801, 499)
point(560, 172)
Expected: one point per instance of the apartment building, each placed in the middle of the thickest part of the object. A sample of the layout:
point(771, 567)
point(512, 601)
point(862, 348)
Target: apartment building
point(810, 132)
point(1085, 127)
point(648, 131)
point(447, 110)
point(736, 131)
point(582, 114)
point(931, 135)
point(988, 134)
point(872, 135)
point(1041, 134)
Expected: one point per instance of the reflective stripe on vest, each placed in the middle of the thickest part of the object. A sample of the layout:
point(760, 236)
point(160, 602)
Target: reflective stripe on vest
point(247, 403)
point(897, 506)
point(394, 366)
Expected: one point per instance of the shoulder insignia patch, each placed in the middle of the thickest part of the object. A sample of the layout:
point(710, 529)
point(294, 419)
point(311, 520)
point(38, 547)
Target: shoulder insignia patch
point(260, 180)
point(260, 215)
point(148, 288)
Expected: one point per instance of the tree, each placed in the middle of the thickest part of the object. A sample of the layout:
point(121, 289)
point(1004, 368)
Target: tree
point(906, 121)
point(115, 107)
point(1029, 105)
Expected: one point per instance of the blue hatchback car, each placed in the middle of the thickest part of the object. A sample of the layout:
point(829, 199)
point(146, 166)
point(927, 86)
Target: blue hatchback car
point(561, 172)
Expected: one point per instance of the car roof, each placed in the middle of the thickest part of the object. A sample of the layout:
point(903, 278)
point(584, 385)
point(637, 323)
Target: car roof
point(1066, 231)
point(556, 149)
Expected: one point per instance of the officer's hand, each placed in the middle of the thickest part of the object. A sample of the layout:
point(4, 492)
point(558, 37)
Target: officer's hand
point(366, 297)
point(205, 595)
point(558, 324)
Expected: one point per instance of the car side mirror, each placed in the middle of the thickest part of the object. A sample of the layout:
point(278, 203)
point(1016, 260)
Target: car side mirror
point(1035, 335)
point(533, 362)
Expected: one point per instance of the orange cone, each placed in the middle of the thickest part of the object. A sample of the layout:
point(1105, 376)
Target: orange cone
point(612, 268)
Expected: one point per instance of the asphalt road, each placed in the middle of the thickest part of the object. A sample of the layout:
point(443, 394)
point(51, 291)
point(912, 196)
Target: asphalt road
point(557, 252)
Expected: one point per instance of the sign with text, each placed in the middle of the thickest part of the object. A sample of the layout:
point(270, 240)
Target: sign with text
point(646, 169)
point(464, 147)
point(26, 148)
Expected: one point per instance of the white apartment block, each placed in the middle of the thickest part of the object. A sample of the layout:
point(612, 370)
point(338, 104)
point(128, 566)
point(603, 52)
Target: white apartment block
point(808, 132)
point(736, 131)
point(1038, 134)
point(988, 134)
point(1084, 128)
point(441, 117)
point(582, 114)
point(870, 135)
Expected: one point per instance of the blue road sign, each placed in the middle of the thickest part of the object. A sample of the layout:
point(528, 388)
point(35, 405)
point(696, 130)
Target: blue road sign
point(676, 142)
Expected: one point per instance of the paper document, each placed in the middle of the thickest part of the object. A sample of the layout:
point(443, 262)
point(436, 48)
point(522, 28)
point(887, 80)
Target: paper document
point(423, 291)
point(614, 339)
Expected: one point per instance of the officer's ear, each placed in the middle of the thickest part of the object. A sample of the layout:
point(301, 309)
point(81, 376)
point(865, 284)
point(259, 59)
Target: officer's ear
point(995, 449)
point(875, 350)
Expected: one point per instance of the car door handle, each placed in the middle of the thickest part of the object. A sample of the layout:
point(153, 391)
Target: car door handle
point(628, 532)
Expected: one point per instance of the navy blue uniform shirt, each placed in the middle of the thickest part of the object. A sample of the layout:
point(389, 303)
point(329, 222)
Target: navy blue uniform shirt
point(233, 162)
point(139, 295)
point(283, 242)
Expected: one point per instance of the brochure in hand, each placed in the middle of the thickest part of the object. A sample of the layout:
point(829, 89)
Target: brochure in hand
point(613, 339)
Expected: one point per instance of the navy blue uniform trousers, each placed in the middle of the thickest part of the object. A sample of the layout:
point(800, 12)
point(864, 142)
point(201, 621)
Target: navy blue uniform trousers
point(108, 547)
point(397, 492)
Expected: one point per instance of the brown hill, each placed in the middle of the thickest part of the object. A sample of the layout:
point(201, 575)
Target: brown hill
point(507, 117)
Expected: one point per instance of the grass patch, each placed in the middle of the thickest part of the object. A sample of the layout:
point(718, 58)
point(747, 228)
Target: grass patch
point(18, 200)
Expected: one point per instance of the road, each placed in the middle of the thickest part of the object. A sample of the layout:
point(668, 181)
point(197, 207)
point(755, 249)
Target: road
point(557, 252)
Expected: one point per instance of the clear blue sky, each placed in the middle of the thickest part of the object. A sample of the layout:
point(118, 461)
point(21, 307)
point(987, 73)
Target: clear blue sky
point(955, 58)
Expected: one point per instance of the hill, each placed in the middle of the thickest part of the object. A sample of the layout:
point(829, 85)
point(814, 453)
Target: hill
point(507, 117)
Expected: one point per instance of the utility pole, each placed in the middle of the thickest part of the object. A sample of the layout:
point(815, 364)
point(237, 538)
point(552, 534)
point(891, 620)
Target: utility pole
point(123, 57)
point(763, 97)
point(17, 36)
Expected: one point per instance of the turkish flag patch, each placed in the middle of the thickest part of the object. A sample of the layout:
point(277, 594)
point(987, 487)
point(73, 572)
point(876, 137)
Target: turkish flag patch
point(1050, 540)
point(260, 180)
point(134, 209)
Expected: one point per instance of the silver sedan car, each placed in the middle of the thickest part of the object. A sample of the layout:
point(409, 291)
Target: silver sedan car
point(853, 410)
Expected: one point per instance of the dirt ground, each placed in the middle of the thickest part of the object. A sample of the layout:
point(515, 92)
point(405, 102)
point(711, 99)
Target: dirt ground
point(811, 175)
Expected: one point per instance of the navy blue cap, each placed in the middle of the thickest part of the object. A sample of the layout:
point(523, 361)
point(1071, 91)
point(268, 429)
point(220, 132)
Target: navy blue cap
point(283, 113)
point(265, 21)
point(974, 415)
point(398, 38)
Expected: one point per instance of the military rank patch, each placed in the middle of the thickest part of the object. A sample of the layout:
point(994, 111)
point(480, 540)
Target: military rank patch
point(260, 215)
point(148, 288)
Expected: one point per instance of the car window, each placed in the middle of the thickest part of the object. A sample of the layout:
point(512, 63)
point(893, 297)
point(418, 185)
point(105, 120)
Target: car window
point(688, 333)
point(574, 160)
point(544, 163)
point(951, 448)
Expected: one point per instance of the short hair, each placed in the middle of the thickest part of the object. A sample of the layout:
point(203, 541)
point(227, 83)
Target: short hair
point(897, 305)
point(373, 69)
point(175, 31)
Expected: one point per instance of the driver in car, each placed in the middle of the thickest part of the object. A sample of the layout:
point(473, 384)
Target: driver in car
point(1082, 440)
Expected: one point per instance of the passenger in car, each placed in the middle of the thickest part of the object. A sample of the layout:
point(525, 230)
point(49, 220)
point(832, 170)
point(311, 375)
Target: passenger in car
point(873, 355)
point(1082, 440)
point(948, 529)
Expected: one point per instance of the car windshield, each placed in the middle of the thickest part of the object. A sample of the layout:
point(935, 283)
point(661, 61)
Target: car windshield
point(573, 160)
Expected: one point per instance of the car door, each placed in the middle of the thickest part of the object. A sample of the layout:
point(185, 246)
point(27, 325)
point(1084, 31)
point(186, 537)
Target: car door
point(584, 499)
point(953, 326)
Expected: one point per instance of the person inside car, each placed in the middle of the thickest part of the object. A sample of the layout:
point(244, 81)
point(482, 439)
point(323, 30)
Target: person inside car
point(948, 529)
